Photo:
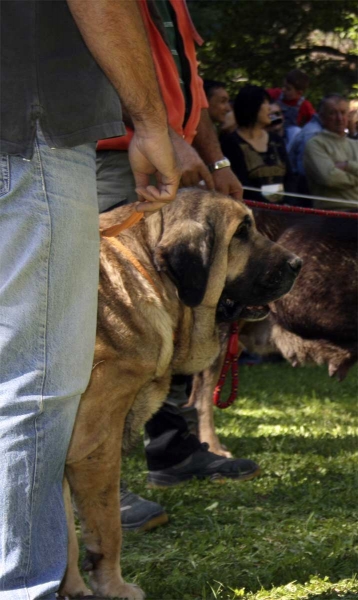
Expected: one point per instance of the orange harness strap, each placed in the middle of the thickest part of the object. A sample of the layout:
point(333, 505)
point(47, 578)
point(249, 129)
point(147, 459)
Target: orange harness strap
point(134, 218)
point(110, 234)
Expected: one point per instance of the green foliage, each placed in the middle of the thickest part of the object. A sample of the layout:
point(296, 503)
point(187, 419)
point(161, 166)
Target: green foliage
point(261, 40)
point(290, 534)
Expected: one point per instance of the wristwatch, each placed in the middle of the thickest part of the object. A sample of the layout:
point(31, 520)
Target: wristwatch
point(219, 164)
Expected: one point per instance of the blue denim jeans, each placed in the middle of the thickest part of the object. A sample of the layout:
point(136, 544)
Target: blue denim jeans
point(49, 251)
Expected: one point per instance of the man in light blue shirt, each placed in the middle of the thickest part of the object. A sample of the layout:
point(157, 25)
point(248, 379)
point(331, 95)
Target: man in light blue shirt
point(297, 146)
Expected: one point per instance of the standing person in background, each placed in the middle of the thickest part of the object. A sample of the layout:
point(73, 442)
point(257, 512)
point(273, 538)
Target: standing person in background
point(258, 158)
point(173, 450)
point(220, 109)
point(218, 99)
point(353, 120)
point(331, 158)
point(54, 56)
point(296, 152)
point(296, 109)
point(278, 126)
point(276, 117)
point(298, 145)
point(229, 125)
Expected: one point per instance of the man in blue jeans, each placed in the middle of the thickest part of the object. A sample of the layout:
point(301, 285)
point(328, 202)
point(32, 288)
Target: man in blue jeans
point(64, 64)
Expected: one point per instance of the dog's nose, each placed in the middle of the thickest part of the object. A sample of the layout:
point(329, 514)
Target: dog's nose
point(295, 264)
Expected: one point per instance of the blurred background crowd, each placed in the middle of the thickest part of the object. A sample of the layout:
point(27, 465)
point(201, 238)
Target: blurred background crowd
point(284, 99)
point(277, 142)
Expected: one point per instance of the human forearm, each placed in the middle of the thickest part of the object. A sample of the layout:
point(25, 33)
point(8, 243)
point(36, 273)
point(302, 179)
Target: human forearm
point(207, 144)
point(321, 168)
point(339, 179)
point(206, 141)
point(114, 33)
point(349, 166)
point(127, 119)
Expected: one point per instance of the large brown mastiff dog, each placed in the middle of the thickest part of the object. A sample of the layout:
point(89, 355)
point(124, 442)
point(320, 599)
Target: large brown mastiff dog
point(156, 317)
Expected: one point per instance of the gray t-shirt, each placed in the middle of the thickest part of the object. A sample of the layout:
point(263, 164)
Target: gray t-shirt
point(49, 75)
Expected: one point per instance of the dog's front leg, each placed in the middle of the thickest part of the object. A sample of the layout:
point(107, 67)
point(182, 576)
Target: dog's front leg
point(94, 481)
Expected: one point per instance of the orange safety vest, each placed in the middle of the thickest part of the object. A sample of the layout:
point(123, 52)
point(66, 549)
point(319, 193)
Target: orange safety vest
point(168, 77)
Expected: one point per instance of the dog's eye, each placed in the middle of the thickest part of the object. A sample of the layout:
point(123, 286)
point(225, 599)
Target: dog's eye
point(243, 229)
point(242, 232)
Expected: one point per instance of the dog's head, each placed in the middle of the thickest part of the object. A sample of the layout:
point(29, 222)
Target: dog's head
point(210, 248)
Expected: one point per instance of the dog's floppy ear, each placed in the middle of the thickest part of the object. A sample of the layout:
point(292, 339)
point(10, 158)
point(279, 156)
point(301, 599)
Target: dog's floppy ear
point(187, 260)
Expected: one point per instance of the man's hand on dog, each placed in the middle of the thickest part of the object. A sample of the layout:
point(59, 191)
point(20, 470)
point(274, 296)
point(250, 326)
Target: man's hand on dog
point(194, 171)
point(172, 160)
point(227, 183)
point(152, 153)
point(193, 168)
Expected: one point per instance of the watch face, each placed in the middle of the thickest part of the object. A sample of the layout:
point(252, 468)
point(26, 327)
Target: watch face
point(219, 164)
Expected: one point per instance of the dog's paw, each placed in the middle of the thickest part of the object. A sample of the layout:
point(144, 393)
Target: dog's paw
point(122, 591)
point(73, 586)
point(132, 592)
point(225, 453)
point(216, 446)
point(221, 451)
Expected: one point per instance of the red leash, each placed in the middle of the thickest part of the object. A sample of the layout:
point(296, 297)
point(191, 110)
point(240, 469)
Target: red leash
point(300, 209)
point(231, 360)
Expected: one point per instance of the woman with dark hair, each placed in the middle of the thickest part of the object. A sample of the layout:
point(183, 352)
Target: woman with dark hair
point(257, 157)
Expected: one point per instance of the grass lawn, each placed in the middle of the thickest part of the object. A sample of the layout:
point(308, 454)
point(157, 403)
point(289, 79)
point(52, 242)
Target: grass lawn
point(291, 533)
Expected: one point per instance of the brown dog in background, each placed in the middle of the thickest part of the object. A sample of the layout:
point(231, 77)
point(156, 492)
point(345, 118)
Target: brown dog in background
point(158, 298)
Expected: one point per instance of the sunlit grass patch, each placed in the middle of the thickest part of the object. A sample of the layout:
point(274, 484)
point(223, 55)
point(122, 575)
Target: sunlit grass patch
point(314, 589)
point(290, 534)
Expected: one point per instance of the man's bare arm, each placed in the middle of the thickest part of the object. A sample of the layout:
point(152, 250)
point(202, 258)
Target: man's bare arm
point(208, 147)
point(114, 33)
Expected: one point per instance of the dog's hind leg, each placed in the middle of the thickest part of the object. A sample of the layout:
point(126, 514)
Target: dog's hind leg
point(201, 397)
point(203, 388)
